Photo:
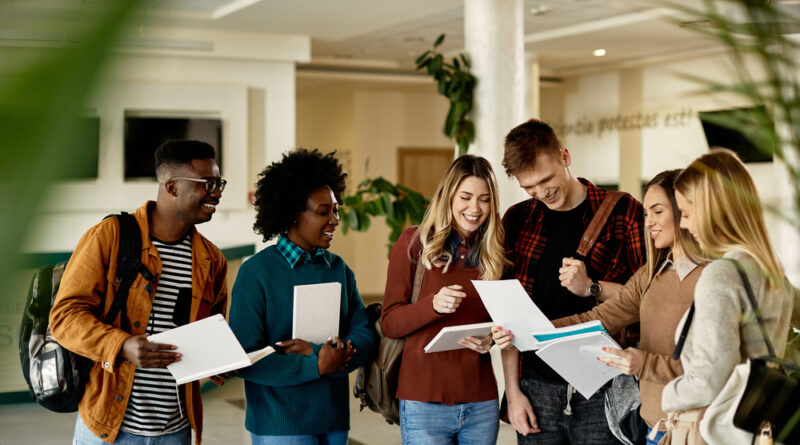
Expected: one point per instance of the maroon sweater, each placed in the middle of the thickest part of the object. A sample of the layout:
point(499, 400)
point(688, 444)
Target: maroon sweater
point(457, 376)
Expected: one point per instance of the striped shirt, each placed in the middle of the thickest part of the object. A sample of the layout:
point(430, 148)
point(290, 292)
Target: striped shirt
point(156, 407)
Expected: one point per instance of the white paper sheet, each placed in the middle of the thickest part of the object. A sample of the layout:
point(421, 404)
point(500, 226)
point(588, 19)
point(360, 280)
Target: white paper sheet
point(447, 339)
point(575, 359)
point(315, 317)
point(208, 347)
point(511, 308)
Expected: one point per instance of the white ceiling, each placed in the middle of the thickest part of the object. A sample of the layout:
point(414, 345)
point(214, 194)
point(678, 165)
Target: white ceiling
point(560, 34)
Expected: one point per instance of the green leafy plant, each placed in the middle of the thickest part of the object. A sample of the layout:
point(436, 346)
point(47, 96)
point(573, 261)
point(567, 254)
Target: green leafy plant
point(456, 83)
point(379, 197)
point(39, 103)
point(764, 63)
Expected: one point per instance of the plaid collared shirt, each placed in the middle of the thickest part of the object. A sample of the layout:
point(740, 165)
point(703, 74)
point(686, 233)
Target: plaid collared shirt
point(295, 255)
point(618, 252)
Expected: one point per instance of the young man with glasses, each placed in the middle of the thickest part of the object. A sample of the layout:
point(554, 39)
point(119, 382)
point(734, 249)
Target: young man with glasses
point(130, 396)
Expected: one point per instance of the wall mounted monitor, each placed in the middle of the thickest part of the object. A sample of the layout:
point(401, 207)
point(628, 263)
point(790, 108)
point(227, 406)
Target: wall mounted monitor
point(143, 135)
point(738, 140)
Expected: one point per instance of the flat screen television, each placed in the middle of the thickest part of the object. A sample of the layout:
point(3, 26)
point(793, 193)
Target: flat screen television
point(143, 135)
point(718, 135)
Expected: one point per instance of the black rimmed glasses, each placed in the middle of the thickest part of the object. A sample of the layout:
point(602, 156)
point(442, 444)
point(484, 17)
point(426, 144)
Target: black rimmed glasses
point(211, 184)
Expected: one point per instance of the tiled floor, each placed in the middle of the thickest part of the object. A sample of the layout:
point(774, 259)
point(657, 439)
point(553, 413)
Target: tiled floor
point(30, 424)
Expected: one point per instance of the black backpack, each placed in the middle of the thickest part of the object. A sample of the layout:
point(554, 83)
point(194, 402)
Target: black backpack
point(56, 376)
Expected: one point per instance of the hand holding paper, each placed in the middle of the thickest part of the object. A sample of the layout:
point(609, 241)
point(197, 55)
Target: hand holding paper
point(629, 361)
point(145, 354)
point(511, 307)
point(207, 347)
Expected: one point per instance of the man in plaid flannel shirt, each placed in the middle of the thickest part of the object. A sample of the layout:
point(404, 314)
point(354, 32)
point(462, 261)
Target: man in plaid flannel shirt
point(542, 236)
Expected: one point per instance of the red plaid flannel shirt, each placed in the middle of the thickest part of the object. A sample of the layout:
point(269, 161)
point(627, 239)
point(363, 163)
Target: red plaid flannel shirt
point(618, 252)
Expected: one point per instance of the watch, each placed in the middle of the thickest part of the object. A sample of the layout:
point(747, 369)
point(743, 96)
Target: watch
point(595, 289)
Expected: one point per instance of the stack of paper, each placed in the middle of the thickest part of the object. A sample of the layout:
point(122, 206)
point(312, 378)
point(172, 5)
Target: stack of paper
point(208, 347)
point(447, 339)
point(575, 359)
point(542, 338)
point(571, 351)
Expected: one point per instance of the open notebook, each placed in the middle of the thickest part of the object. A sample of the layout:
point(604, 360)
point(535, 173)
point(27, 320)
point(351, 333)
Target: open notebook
point(447, 339)
point(208, 347)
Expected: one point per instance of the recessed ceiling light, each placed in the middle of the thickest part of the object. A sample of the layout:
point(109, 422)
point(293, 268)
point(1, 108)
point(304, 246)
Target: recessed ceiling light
point(599, 52)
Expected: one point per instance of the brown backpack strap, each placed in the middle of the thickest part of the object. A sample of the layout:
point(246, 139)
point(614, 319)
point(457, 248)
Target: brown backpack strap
point(417, 280)
point(598, 222)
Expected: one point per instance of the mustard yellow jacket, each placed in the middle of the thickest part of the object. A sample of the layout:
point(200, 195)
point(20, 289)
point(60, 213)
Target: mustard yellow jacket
point(75, 319)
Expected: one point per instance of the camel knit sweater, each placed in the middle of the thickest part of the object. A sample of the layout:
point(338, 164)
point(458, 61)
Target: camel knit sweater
point(658, 310)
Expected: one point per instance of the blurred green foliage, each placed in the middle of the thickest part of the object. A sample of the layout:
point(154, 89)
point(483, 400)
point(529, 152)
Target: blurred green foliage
point(43, 92)
point(456, 83)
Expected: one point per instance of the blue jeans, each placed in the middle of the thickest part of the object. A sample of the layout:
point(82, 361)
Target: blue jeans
point(84, 436)
point(659, 435)
point(586, 425)
point(335, 438)
point(424, 423)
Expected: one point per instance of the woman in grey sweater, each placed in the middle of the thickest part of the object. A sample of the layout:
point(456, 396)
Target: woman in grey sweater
point(720, 206)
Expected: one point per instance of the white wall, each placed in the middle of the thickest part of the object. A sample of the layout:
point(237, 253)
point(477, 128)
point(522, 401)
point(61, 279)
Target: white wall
point(370, 123)
point(246, 80)
point(671, 133)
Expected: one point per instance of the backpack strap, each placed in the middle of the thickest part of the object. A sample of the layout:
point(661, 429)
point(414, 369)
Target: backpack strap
point(129, 266)
point(676, 354)
point(598, 222)
point(418, 273)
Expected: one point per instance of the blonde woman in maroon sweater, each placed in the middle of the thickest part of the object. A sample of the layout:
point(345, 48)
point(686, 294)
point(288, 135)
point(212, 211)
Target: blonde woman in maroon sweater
point(656, 296)
point(450, 396)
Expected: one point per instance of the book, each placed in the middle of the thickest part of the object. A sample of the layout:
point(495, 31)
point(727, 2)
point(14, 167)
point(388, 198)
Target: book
point(447, 339)
point(511, 308)
point(208, 347)
point(575, 359)
point(315, 314)
point(544, 337)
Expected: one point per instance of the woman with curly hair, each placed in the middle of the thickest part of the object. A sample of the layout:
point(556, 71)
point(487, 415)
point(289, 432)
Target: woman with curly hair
point(450, 396)
point(298, 396)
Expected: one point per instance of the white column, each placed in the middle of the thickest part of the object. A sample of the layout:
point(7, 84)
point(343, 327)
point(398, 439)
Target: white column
point(493, 34)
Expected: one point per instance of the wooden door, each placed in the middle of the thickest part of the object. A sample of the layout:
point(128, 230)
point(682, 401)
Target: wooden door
point(421, 169)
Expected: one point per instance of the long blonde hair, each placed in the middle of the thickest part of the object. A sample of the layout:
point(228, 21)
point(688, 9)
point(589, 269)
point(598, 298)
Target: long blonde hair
point(683, 239)
point(728, 210)
point(437, 224)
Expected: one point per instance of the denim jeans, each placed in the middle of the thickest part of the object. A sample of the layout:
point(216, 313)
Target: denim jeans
point(84, 436)
point(659, 435)
point(335, 438)
point(586, 425)
point(423, 423)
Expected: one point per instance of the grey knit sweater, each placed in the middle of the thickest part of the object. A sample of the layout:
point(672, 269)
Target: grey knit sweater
point(725, 332)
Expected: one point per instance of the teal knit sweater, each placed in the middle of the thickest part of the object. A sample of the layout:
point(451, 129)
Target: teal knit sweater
point(285, 394)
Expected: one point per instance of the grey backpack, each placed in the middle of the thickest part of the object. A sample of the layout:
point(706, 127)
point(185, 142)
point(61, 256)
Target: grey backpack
point(56, 376)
